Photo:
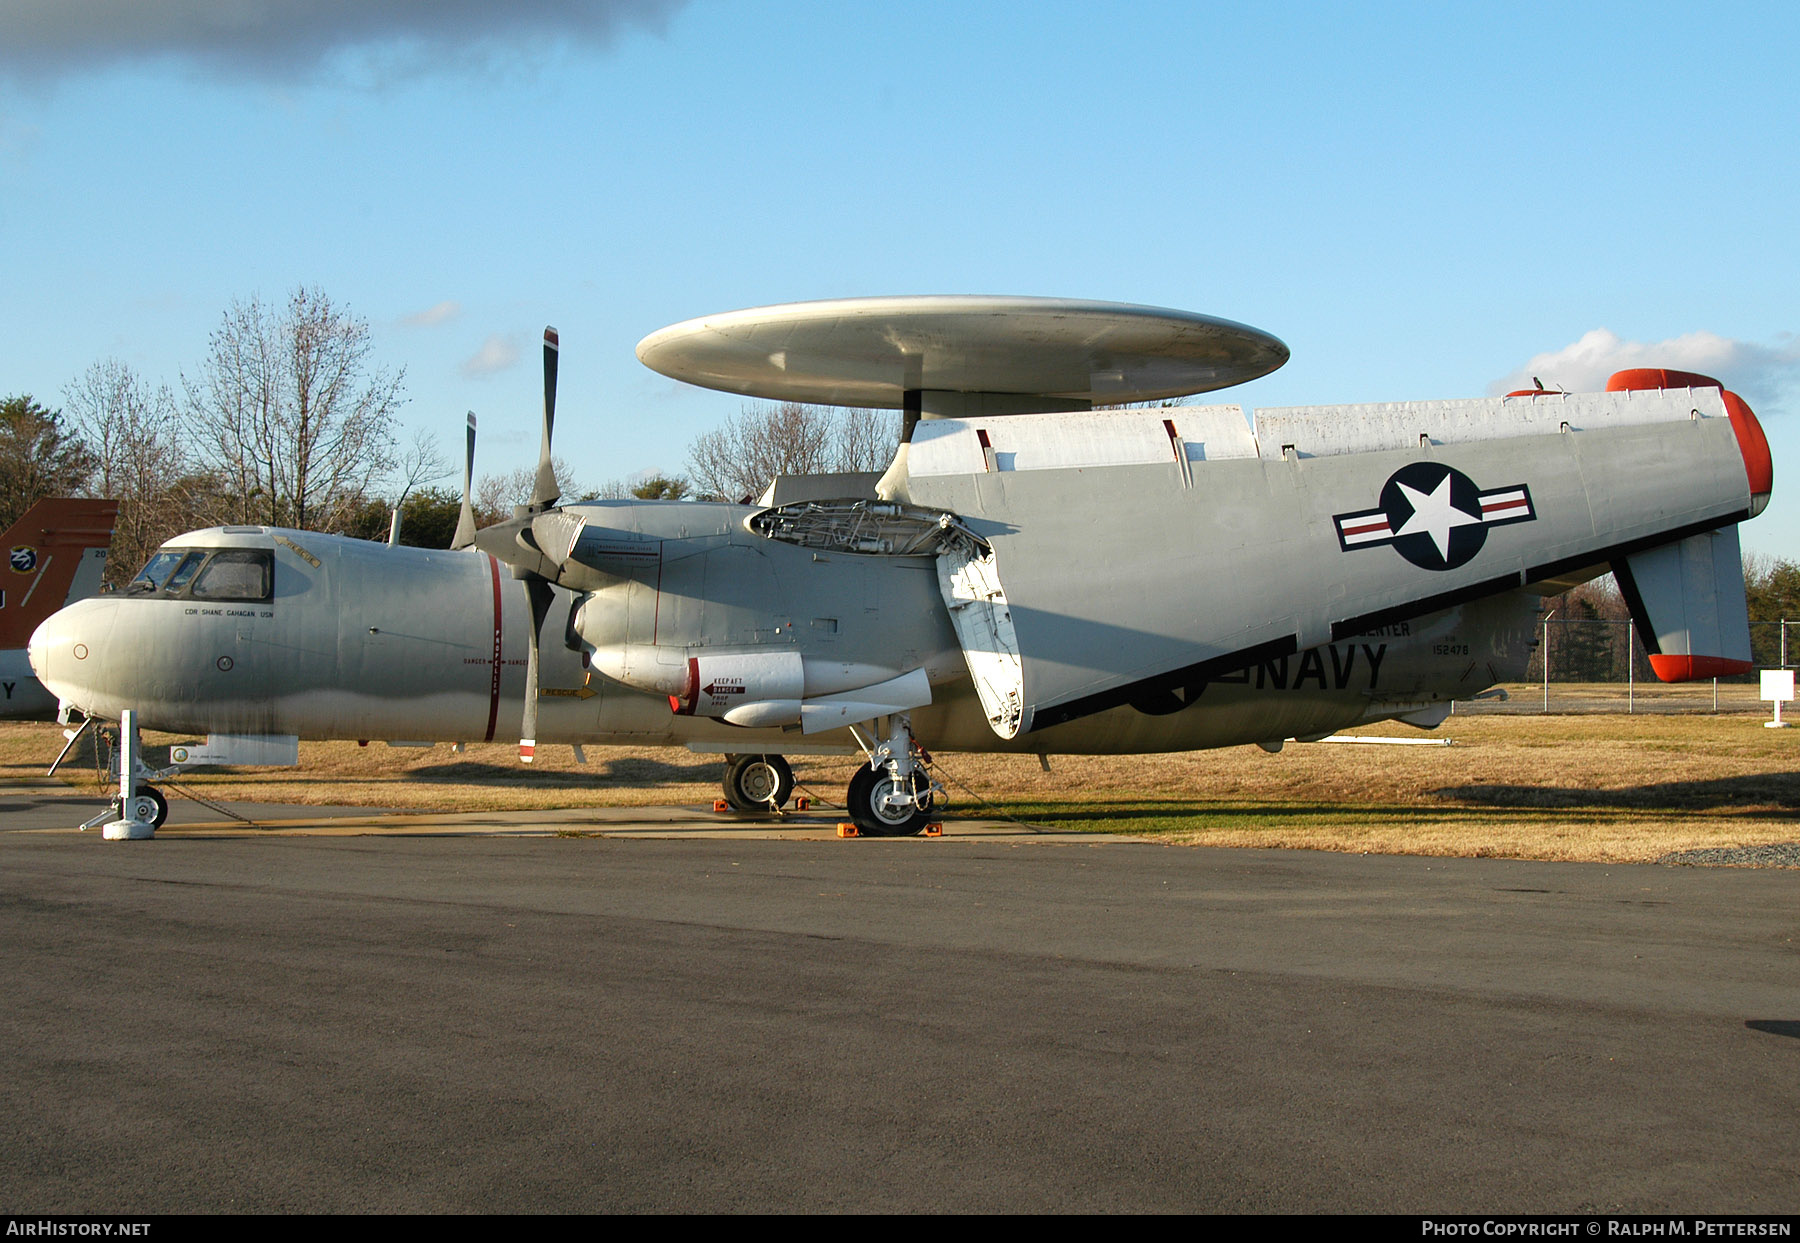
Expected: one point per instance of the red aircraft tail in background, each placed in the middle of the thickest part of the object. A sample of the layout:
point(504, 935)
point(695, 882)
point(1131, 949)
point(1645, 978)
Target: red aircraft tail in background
point(43, 551)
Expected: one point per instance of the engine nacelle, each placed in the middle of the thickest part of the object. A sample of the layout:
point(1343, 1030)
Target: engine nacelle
point(823, 712)
point(718, 685)
point(765, 690)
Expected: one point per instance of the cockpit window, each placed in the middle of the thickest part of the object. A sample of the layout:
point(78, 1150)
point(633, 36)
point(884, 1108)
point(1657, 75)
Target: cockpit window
point(236, 574)
point(228, 574)
point(155, 576)
point(183, 572)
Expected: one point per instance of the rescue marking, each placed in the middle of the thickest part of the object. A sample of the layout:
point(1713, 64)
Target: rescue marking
point(569, 692)
point(23, 558)
point(298, 551)
point(1434, 516)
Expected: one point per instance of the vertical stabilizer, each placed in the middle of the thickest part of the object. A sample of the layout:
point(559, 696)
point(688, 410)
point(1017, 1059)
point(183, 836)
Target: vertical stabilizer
point(44, 550)
point(1687, 599)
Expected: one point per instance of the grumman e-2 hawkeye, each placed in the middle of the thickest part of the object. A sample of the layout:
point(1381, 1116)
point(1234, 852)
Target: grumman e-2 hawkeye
point(1031, 573)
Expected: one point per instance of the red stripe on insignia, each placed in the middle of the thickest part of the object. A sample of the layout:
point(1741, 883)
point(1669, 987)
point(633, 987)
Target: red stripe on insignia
point(1366, 528)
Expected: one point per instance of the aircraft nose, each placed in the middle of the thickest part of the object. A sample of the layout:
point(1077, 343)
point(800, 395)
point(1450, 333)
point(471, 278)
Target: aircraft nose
point(37, 651)
point(62, 647)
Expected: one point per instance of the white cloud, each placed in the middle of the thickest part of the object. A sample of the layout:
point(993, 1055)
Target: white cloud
point(432, 316)
point(497, 353)
point(285, 39)
point(1759, 373)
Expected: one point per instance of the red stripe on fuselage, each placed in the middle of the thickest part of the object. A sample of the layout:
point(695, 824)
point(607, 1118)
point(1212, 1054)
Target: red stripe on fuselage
point(494, 689)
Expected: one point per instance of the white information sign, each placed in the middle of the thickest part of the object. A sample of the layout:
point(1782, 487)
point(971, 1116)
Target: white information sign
point(1778, 688)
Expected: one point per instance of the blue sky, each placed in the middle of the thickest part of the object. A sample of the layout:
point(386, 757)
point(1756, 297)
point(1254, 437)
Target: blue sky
point(1421, 200)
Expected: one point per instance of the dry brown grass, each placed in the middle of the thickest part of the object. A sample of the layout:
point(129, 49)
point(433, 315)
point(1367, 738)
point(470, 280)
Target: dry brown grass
point(1611, 788)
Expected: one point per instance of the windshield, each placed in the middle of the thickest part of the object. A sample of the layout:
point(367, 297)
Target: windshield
point(243, 575)
point(240, 574)
point(156, 574)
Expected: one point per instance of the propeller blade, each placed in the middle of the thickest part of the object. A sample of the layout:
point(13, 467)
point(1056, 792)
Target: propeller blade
point(465, 522)
point(545, 493)
point(538, 592)
point(555, 533)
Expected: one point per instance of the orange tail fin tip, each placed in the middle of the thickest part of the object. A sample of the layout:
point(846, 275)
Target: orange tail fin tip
point(1753, 443)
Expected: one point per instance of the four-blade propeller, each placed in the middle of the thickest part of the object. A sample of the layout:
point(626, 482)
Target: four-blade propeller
point(544, 495)
point(514, 543)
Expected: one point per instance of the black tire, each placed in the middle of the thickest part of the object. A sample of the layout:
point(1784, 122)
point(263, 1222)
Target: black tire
point(758, 782)
point(875, 820)
point(159, 804)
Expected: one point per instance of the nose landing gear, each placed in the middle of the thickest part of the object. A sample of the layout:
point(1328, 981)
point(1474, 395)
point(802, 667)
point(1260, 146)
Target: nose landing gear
point(138, 809)
point(147, 806)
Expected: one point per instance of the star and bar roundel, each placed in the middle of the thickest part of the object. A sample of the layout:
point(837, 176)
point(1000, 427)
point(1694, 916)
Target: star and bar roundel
point(1434, 515)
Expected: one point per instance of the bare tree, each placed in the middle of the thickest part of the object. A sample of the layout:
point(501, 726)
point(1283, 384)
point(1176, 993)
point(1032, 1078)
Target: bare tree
point(644, 487)
point(788, 438)
point(289, 412)
point(866, 438)
point(495, 495)
point(1158, 404)
point(135, 436)
point(423, 463)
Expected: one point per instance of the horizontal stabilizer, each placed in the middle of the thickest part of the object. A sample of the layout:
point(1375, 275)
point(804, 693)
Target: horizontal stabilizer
point(1687, 599)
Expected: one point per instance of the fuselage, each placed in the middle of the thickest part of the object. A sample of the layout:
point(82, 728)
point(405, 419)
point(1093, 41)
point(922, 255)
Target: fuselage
point(322, 637)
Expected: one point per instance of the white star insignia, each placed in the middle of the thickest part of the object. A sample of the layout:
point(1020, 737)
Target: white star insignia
point(1435, 516)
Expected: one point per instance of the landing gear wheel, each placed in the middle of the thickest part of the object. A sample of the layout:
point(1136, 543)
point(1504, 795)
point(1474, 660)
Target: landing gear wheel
point(148, 806)
point(872, 814)
point(758, 782)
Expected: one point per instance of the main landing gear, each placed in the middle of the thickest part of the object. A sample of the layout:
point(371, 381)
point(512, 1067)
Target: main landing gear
point(892, 795)
point(758, 782)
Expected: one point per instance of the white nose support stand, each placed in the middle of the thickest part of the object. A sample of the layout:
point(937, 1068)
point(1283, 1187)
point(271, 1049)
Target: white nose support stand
point(137, 812)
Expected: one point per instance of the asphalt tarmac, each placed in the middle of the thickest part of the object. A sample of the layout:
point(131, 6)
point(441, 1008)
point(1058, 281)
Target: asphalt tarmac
point(667, 1011)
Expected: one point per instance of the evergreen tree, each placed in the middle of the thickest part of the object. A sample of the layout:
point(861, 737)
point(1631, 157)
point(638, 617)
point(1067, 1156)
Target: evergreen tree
point(37, 458)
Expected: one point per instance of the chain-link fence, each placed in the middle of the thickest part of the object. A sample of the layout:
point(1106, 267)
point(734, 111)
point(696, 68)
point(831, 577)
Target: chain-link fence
point(1594, 665)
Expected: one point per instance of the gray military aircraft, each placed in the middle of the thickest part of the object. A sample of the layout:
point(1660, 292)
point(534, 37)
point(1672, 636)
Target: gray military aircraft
point(55, 555)
point(1031, 573)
